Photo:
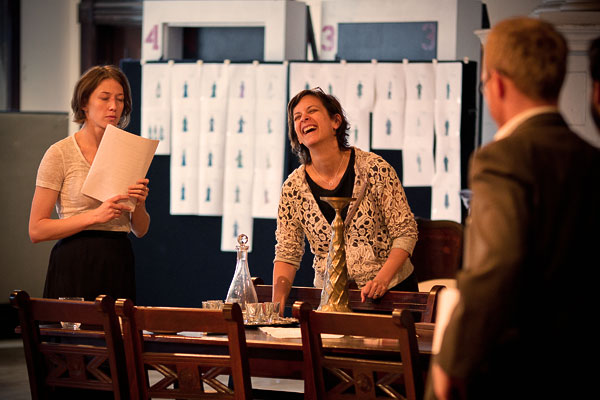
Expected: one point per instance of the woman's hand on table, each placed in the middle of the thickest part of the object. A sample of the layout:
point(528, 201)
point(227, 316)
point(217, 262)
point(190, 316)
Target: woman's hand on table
point(374, 289)
point(378, 286)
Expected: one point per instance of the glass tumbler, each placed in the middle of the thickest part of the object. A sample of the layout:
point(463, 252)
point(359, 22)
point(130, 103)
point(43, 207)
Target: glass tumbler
point(71, 325)
point(254, 313)
point(276, 309)
point(213, 304)
point(268, 312)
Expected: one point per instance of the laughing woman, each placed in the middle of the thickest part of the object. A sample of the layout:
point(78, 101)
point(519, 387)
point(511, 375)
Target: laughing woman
point(93, 255)
point(380, 229)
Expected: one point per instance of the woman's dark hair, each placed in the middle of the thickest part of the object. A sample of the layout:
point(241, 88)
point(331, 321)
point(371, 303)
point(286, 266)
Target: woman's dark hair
point(89, 81)
point(333, 107)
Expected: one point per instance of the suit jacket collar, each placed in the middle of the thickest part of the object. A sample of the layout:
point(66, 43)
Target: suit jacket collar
point(512, 124)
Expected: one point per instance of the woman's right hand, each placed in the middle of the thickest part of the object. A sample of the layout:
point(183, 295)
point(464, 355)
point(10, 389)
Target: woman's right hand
point(111, 209)
point(43, 227)
point(283, 277)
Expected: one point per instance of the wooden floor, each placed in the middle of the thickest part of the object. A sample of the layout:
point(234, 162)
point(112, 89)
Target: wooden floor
point(14, 384)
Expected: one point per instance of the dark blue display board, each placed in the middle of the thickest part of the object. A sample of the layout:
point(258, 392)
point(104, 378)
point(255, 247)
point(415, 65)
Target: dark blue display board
point(215, 44)
point(387, 41)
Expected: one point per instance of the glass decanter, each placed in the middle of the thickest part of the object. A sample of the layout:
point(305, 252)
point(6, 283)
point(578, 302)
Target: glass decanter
point(241, 289)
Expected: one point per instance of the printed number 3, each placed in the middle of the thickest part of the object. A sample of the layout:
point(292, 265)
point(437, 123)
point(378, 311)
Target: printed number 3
point(429, 36)
point(328, 38)
point(153, 37)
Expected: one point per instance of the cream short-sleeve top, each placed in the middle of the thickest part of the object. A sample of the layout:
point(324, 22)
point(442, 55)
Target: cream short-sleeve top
point(64, 169)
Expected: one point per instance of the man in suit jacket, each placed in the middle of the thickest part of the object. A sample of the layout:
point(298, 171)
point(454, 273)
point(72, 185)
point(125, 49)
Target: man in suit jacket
point(532, 235)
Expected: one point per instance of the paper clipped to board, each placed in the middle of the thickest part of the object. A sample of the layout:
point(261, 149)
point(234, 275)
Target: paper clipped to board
point(122, 158)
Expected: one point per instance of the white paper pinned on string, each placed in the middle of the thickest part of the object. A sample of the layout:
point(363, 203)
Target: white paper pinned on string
point(330, 77)
point(445, 198)
point(269, 146)
point(185, 134)
point(239, 156)
point(185, 127)
point(389, 107)
point(156, 105)
point(214, 89)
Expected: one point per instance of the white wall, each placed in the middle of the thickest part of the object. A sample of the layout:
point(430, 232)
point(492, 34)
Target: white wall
point(50, 49)
point(50, 55)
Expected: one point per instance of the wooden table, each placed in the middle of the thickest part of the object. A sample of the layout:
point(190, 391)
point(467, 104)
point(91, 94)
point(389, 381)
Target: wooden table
point(269, 356)
point(282, 357)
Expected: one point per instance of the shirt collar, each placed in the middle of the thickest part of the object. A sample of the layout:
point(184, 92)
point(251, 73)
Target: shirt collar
point(511, 125)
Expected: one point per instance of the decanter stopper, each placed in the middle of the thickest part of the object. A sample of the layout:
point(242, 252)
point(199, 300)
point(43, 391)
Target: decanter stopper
point(242, 242)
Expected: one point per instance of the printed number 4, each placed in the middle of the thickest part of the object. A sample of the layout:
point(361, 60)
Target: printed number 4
point(153, 37)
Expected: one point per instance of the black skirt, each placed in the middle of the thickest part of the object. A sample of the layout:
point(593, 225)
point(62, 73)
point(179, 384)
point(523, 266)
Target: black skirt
point(91, 263)
point(410, 284)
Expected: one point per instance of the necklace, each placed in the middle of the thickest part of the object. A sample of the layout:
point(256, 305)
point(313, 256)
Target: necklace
point(331, 182)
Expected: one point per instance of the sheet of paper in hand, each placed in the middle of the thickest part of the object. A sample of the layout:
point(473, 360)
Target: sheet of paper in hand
point(121, 160)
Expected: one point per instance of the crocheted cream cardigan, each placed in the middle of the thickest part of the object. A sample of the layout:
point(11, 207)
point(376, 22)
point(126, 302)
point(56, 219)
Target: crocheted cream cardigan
point(380, 219)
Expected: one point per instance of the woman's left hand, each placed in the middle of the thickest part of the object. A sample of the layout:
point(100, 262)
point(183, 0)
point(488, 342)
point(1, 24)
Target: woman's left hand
point(139, 191)
point(373, 289)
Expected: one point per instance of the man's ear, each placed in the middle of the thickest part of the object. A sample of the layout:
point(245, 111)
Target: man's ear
point(500, 83)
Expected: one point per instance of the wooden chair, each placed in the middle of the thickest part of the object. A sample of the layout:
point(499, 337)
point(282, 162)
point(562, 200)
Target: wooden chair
point(423, 303)
point(438, 252)
point(58, 359)
point(185, 374)
point(359, 375)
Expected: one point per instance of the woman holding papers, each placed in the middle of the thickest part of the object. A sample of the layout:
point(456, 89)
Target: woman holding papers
point(93, 255)
point(380, 229)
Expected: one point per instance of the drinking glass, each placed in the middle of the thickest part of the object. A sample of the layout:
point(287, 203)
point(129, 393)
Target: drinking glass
point(268, 308)
point(254, 313)
point(276, 309)
point(71, 325)
point(213, 304)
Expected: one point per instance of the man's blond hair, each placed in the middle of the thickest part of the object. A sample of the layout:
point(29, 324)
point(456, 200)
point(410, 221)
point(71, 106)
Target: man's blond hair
point(531, 53)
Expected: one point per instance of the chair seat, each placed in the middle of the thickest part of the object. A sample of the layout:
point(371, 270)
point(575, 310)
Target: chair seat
point(426, 286)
